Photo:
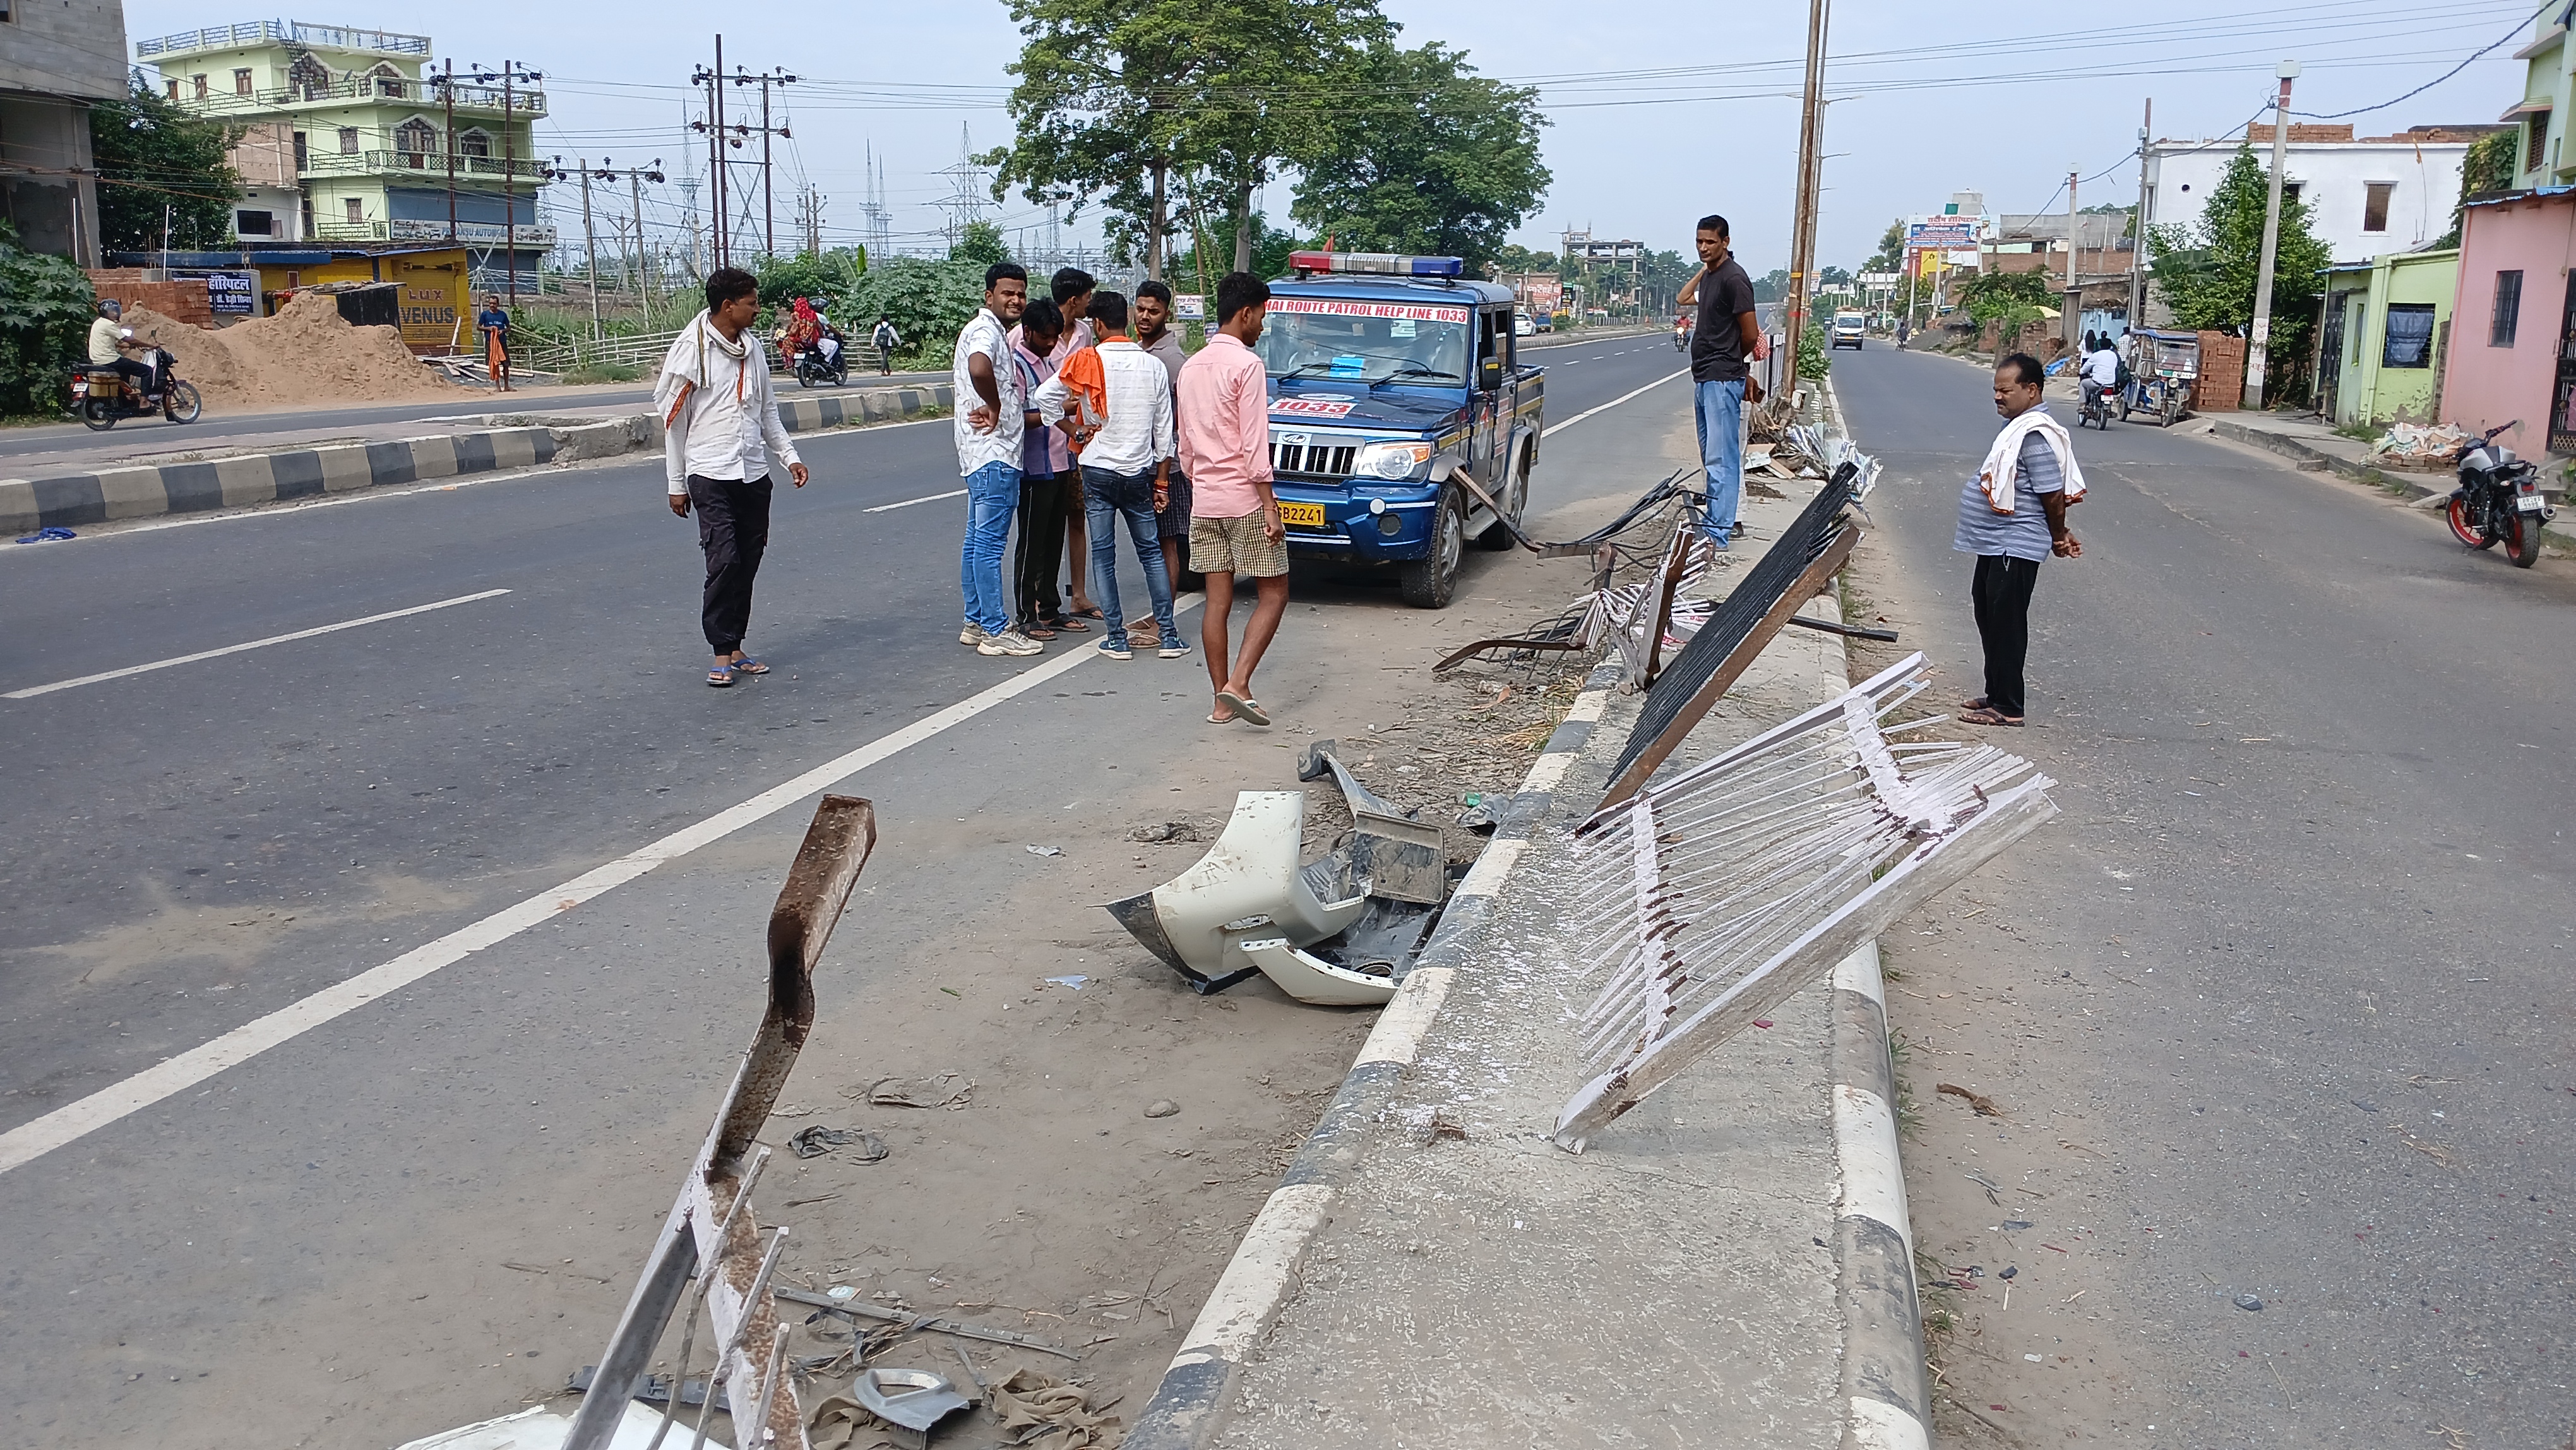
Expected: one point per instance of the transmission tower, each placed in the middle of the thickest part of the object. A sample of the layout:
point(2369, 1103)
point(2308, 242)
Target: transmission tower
point(966, 204)
point(880, 222)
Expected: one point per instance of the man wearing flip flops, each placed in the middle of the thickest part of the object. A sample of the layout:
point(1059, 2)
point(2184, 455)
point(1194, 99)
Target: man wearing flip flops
point(1234, 516)
point(720, 424)
point(2012, 515)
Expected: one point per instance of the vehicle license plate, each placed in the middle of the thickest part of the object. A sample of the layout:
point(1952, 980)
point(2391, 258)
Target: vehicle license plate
point(1301, 515)
point(2530, 503)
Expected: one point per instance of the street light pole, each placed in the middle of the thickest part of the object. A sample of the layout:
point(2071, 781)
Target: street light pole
point(2258, 345)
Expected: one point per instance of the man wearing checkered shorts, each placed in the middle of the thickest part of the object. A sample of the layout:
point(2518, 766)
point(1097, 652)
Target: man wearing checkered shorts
point(1234, 516)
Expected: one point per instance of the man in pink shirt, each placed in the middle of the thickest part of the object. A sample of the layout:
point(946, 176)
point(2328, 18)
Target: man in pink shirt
point(1234, 516)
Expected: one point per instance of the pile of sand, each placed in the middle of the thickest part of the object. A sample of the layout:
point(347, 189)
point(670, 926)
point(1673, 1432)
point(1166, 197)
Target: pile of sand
point(305, 355)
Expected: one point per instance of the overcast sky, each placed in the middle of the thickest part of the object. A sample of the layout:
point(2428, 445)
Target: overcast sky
point(1660, 110)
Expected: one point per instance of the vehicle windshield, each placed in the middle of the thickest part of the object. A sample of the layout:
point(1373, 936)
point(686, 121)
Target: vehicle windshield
point(1340, 340)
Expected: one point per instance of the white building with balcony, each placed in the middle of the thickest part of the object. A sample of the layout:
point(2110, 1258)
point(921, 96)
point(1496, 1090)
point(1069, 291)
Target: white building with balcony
point(353, 136)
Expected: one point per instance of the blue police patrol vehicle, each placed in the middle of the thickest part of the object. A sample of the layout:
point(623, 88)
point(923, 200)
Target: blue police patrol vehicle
point(1390, 376)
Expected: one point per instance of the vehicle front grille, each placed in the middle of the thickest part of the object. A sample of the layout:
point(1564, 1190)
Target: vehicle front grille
point(1327, 460)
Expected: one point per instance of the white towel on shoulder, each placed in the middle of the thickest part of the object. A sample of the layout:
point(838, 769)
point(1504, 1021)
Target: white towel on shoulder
point(2003, 461)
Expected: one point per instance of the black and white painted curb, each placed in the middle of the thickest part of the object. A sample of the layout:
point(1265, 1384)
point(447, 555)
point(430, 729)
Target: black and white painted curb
point(1187, 1408)
point(112, 495)
point(1887, 1397)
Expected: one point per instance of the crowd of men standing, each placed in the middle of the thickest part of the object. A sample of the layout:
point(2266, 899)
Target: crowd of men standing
point(1079, 416)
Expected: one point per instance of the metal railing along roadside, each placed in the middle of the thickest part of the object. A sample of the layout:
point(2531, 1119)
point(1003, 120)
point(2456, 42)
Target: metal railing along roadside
point(637, 350)
point(1713, 897)
point(432, 163)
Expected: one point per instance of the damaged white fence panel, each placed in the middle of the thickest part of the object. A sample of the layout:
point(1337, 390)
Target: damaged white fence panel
point(1720, 893)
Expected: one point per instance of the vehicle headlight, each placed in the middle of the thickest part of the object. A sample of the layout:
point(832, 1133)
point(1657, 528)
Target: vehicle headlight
point(1392, 460)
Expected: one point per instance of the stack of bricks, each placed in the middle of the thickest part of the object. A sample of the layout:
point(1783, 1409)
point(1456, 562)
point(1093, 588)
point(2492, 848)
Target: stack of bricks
point(2221, 388)
point(182, 298)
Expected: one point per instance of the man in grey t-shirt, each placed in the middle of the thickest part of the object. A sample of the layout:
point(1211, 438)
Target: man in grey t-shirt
point(2010, 545)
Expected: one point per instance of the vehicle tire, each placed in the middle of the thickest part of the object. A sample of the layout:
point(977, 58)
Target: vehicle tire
point(1432, 580)
point(2124, 407)
point(2169, 410)
point(2457, 515)
point(185, 405)
point(97, 414)
point(804, 379)
point(2522, 538)
point(1497, 535)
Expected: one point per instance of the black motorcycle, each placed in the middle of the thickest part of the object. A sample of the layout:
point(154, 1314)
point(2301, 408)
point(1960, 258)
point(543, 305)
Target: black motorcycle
point(2498, 500)
point(812, 367)
point(2097, 407)
point(101, 395)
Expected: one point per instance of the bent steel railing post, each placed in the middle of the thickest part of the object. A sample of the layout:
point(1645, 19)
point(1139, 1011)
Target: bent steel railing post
point(711, 1224)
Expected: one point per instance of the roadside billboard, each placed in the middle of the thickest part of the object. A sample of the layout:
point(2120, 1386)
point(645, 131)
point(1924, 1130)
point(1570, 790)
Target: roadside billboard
point(1542, 295)
point(1942, 232)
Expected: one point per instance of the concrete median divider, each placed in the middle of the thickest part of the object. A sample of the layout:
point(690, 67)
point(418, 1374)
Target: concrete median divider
point(512, 441)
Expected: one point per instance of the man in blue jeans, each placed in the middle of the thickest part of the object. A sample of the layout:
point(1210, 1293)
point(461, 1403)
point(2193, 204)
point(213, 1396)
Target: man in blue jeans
point(1726, 336)
point(1123, 397)
point(989, 428)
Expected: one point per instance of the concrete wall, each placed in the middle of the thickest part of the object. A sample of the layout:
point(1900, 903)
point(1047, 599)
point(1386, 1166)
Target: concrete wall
point(44, 142)
point(71, 48)
point(2484, 385)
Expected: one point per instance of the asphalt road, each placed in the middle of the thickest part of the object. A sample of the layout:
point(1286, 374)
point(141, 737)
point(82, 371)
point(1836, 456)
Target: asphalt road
point(196, 847)
point(2298, 948)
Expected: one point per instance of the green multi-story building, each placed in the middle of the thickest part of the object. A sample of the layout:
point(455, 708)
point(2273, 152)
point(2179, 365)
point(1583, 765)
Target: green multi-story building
point(355, 136)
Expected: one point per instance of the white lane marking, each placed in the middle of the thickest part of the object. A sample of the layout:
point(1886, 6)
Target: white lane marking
point(233, 649)
point(29, 1141)
point(907, 503)
point(1551, 430)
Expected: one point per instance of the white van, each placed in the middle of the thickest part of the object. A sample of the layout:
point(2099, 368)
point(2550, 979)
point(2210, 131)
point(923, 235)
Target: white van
point(1849, 329)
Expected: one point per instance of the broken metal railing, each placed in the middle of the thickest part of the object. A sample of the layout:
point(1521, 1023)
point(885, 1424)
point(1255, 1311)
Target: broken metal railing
point(711, 1231)
point(1718, 894)
point(1797, 567)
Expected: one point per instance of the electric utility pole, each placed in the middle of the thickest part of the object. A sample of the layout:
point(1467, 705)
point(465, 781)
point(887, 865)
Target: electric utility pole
point(2070, 317)
point(447, 92)
point(1803, 234)
point(2138, 222)
point(511, 74)
point(2260, 342)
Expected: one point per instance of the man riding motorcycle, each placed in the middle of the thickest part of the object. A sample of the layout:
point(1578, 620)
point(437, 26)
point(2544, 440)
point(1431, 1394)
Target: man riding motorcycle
point(108, 344)
point(2102, 374)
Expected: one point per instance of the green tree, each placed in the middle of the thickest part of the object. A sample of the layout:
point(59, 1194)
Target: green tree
point(2011, 297)
point(930, 301)
point(1513, 257)
point(1771, 286)
point(2206, 272)
point(1890, 255)
point(2485, 168)
point(1425, 156)
point(1270, 248)
point(1116, 100)
point(45, 308)
point(152, 155)
point(980, 246)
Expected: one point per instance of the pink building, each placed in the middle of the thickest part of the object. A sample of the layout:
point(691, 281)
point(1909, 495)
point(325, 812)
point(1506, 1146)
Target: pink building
point(2512, 319)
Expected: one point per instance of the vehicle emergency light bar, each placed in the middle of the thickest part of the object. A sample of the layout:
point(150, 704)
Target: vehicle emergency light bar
point(1393, 264)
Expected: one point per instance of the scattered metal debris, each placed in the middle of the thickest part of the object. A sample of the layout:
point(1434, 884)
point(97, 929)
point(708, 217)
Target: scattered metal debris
point(711, 1229)
point(1391, 854)
point(1716, 895)
point(856, 1308)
